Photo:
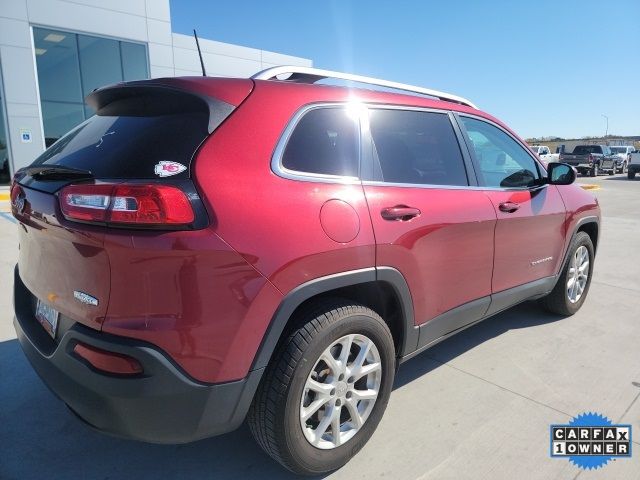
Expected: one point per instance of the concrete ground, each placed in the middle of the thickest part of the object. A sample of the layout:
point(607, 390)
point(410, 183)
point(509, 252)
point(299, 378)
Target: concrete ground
point(477, 406)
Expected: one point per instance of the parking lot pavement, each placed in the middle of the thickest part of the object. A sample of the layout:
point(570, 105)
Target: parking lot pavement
point(478, 405)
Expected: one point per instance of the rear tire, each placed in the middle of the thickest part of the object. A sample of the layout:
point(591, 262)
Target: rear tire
point(560, 300)
point(290, 388)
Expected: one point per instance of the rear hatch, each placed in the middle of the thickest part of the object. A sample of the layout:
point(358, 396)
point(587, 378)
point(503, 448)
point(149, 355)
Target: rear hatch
point(99, 176)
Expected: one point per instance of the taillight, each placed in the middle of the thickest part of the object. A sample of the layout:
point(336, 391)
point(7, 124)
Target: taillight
point(126, 204)
point(14, 192)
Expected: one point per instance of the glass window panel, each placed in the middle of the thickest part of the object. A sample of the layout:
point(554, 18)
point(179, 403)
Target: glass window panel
point(99, 62)
point(59, 118)
point(417, 148)
point(324, 142)
point(134, 61)
point(70, 66)
point(4, 148)
point(503, 162)
point(58, 67)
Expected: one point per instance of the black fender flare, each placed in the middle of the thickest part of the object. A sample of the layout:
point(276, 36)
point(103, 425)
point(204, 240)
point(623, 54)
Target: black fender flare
point(583, 221)
point(314, 287)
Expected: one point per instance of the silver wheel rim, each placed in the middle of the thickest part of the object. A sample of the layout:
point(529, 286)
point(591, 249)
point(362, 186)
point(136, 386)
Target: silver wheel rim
point(340, 391)
point(578, 274)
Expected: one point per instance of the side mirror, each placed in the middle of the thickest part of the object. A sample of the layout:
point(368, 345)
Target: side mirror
point(560, 174)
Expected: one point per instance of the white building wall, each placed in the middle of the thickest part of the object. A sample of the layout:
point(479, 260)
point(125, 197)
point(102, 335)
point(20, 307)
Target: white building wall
point(224, 59)
point(146, 21)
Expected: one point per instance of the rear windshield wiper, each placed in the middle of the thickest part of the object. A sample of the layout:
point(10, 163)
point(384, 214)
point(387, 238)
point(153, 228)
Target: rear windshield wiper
point(57, 172)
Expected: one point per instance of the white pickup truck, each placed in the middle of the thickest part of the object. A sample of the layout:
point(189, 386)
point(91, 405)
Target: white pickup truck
point(544, 154)
point(623, 154)
point(634, 164)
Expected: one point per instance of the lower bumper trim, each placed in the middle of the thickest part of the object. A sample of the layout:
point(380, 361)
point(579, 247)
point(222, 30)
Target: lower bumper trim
point(162, 405)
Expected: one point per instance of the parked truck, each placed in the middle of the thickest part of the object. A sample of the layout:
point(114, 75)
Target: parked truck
point(544, 154)
point(591, 159)
point(634, 164)
point(623, 155)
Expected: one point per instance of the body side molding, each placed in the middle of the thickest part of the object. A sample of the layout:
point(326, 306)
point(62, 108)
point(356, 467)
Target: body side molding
point(460, 318)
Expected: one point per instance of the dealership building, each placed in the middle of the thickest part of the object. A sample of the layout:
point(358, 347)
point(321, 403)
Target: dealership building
point(54, 52)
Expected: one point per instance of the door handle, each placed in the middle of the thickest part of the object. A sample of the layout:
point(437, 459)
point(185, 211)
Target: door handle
point(399, 212)
point(508, 207)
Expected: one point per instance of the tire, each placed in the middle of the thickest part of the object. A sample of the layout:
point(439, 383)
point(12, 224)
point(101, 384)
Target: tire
point(275, 416)
point(631, 175)
point(594, 171)
point(558, 300)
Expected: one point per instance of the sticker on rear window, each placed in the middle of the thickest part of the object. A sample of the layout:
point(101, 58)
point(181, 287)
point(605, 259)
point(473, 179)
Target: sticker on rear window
point(166, 169)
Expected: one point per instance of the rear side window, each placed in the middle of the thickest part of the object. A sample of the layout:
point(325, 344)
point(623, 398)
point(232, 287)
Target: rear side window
point(503, 162)
point(324, 142)
point(417, 147)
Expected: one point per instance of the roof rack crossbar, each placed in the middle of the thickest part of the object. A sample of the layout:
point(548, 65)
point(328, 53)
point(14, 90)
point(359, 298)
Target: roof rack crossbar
point(312, 75)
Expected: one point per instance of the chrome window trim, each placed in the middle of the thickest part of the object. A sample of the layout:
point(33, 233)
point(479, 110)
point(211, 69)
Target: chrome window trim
point(283, 172)
point(276, 159)
point(452, 187)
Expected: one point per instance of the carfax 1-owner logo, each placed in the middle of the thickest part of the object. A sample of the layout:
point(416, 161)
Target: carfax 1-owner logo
point(590, 440)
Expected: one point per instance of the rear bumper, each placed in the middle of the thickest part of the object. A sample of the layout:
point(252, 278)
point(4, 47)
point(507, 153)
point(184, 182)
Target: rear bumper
point(161, 405)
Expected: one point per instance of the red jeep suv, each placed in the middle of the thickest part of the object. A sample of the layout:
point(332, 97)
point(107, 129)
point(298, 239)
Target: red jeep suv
point(205, 250)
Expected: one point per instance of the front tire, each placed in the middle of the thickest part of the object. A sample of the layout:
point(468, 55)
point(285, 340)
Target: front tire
point(326, 389)
point(572, 287)
point(631, 175)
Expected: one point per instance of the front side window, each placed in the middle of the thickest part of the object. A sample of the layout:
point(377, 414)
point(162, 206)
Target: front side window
point(502, 161)
point(416, 147)
point(72, 65)
point(324, 142)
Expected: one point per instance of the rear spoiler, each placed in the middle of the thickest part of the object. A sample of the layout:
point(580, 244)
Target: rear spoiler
point(150, 99)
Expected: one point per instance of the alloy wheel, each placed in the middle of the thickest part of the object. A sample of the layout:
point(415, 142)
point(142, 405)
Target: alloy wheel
point(340, 391)
point(578, 274)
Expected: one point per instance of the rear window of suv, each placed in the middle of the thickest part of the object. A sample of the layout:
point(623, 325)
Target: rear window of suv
point(129, 146)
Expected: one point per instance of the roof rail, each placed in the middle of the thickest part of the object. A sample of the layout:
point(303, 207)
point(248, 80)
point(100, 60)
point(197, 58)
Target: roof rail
point(312, 75)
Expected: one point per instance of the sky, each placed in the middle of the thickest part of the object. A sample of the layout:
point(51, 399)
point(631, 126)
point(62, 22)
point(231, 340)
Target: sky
point(546, 68)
